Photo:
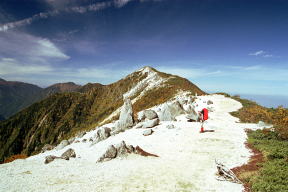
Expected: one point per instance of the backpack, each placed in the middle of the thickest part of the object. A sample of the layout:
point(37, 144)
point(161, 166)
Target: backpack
point(205, 114)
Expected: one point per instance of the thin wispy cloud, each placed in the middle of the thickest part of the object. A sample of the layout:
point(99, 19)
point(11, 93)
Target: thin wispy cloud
point(261, 53)
point(77, 9)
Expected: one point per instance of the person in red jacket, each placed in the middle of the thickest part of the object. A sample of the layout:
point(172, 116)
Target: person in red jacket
point(203, 118)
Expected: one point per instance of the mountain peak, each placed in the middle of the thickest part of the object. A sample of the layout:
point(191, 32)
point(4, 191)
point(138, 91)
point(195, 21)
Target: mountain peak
point(147, 69)
point(2, 80)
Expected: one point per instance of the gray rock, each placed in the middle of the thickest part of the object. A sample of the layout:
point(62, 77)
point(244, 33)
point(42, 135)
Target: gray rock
point(47, 147)
point(126, 119)
point(139, 125)
point(150, 123)
point(63, 144)
point(123, 149)
point(84, 140)
point(102, 134)
point(110, 153)
point(170, 111)
point(147, 132)
point(170, 126)
point(69, 153)
point(49, 159)
point(209, 102)
point(193, 115)
point(150, 114)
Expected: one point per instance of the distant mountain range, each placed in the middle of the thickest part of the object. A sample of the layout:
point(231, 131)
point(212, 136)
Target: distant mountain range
point(72, 108)
point(15, 96)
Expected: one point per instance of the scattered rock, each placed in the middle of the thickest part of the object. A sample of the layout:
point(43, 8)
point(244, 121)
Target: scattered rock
point(90, 139)
point(148, 132)
point(209, 102)
point(77, 141)
point(140, 151)
point(150, 114)
point(150, 123)
point(110, 153)
point(101, 134)
point(126, 119)
point(122, 150)
point(63, 144)
point(66, 155)
point(69, 153)
point(170, 111)
point(47, 147)
point(170, 126)
point(84, 140)
point(49, 159)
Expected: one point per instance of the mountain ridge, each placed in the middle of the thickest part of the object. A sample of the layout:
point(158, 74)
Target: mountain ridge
point(62, 115)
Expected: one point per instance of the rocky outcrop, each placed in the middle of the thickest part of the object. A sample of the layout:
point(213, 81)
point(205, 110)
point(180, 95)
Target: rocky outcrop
point(126, 119)
point(66, 155)
point(169, 112)
point(63, 144)
point(122, 150)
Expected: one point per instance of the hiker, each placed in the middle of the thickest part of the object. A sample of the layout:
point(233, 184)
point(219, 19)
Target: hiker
point(203, 117)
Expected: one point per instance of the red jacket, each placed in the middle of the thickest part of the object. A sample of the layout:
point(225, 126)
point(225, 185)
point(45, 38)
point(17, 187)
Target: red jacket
point(205, 114)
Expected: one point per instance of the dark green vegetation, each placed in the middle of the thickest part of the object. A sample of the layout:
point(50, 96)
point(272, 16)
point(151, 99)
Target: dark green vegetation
point(15, 96)
point(273, 144)
point(62, 115)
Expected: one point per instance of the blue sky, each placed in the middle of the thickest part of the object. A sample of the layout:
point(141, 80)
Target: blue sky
point(237, 46)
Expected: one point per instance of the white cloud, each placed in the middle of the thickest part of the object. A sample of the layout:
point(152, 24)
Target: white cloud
point(77, 9)
point(28, 48)
point(257, 53)
point(46, 48)
point(261, 53)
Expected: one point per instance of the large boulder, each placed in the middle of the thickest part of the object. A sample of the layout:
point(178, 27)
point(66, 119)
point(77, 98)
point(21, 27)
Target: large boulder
point(126, 119)
point(169, 112)
point(63, 144)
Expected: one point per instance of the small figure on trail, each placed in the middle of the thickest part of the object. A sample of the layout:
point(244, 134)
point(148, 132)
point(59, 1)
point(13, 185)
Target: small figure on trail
point(203, 117)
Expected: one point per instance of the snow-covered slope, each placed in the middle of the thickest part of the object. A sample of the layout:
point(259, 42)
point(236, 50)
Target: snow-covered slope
point(185, 162)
